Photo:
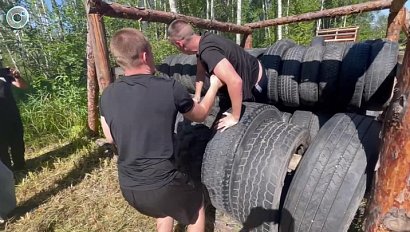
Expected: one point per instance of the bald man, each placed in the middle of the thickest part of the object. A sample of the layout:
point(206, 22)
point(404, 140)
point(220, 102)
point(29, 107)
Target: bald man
point(242, 73)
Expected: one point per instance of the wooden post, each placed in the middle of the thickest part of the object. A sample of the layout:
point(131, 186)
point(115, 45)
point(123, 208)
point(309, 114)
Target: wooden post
point(389, 208)
point(92, 88)
point(247, 41)
point(100, 50)
point(396, 20)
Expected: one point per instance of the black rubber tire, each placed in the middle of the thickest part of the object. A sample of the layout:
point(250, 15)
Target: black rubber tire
point(352, 75)
point(163, 69)
point(307, 120)
point(317, 41)
point(309, 87)
point(289, 79)
point(221, 150)
point(329, 73)
point(190, 142)
point(256, 52)
point(328, 184)
point(272, 62)
point(286, 117)
point(380, 75)
point(259, 171)
point(187, 73)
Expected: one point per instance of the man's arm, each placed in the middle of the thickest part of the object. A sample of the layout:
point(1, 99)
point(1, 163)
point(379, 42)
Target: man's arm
point(227, 74)
point(18, 81)
point(200, 111)
point(199, 82)
point(106, 130)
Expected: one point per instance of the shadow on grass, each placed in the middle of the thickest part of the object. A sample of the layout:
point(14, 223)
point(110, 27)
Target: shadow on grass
point(47, 159)
point(85, 165)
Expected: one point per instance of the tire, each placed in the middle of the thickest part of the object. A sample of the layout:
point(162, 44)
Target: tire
point(221, 150)
point(256, 52)
point(352, 75)
point(259, 171)
point(190, 142)
point(286, 117)
point(307, 120)
point(329, 73)
point(272, 62)
point(308, 87)
point(187, 73)
point(290, 76)
point(163, 69)
point(328, 184)
point(317, 41)
point(380, 75)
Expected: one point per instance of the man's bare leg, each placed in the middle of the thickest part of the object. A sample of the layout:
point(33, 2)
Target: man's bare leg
point(199, 225)
point(165, 224)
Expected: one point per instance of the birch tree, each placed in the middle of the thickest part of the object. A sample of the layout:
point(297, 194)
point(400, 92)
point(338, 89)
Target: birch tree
point(279, 16)
point(238, 19)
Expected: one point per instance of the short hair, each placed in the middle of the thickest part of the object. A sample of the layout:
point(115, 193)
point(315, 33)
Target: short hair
point(127, 45)
point(180, 29)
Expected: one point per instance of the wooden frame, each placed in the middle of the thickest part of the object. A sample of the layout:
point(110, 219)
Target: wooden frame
point(391, 196)
point(342, 34)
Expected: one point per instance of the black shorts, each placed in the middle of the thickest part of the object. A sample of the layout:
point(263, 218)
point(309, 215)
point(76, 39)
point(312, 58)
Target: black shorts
point(181, 199)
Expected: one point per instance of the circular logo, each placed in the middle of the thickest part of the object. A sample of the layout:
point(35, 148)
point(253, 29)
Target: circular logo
point(17, 17)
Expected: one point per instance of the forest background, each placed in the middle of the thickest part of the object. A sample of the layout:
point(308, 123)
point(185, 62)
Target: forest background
point(69, 185)
point(50, 49)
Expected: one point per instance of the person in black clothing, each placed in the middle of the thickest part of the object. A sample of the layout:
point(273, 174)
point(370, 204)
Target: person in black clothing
point(138, 113)
point(241, 72)
point(11, 127)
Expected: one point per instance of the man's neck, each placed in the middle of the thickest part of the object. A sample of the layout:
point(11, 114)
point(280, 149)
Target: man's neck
point(136, 71)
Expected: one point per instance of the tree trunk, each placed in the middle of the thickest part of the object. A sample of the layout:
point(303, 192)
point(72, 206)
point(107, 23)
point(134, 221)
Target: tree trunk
point(319, 21)
point(92, 89)
point(100, 50)
point(396, 20)
point(238, 19)
point(172, 6)
point(279, 16)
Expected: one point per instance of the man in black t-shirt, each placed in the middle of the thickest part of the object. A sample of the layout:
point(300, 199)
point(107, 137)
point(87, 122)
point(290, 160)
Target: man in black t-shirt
point(138, 113)
point(11, 127)
point(242, 73)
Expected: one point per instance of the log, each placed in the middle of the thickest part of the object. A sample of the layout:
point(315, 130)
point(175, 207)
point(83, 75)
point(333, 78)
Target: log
point(92, 89)
point(389, 207)
point(100, 51)
point(118, 11)
point(396, 20)
point(406, 25)
point(340, 11)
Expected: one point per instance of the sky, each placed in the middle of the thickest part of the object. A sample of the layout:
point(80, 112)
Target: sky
point(386, 12)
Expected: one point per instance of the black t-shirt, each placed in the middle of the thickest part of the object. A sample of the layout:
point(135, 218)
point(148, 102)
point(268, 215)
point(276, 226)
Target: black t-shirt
point(214, 48)
point(8, 107)
point(140, 111)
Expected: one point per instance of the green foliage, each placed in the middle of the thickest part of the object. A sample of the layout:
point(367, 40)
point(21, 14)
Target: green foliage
point(58, 113)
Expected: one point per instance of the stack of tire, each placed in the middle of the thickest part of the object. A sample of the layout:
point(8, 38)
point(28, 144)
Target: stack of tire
point(246, 168)
point(334, 76)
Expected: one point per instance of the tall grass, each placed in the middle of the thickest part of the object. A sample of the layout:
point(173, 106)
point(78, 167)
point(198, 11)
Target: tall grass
point(54, 114)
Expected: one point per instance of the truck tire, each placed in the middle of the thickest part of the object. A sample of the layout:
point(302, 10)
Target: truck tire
point(222, 148)
point(309, 87)
point(328, 184)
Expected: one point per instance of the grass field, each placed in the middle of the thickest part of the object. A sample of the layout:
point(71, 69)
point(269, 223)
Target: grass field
point(73, 186)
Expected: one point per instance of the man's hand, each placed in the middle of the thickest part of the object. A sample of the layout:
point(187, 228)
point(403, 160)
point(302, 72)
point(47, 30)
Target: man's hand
point(227, 121)
point(215, 81)
point(15, 74)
